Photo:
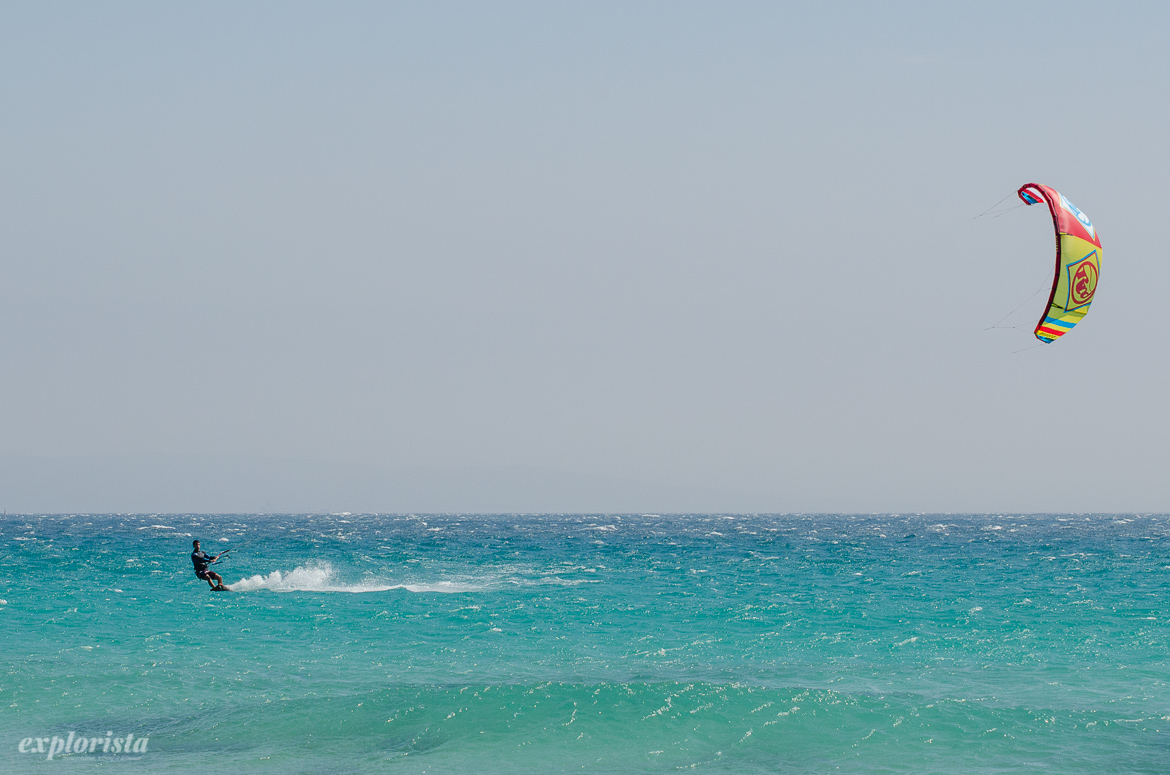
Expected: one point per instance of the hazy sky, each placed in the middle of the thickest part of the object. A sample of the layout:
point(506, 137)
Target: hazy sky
point(594, 256)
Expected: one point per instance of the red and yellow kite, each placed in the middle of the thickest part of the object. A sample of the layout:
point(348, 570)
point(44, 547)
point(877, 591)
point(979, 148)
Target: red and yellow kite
point(1078, 262)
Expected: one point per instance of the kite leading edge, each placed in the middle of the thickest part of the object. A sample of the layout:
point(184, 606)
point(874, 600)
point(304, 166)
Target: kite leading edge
point(1078, 262)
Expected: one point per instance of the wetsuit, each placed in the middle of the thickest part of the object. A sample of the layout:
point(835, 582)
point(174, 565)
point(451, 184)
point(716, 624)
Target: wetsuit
point(201, 561)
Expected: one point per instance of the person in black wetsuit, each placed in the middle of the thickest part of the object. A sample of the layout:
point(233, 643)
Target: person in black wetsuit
point(201, 561)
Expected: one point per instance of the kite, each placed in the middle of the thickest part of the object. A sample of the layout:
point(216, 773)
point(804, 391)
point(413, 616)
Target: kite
point(1078, 262)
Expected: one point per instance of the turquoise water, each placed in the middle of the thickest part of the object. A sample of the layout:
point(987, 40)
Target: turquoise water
point(602, 644)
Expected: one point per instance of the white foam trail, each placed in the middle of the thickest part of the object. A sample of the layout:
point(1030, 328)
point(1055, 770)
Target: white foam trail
point(558, 581)
point(321, 578)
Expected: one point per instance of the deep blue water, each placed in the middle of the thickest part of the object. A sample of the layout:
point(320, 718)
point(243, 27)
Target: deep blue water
point(605, 644)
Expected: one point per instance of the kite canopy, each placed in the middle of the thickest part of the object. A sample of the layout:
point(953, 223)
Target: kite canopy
point(1078, 262)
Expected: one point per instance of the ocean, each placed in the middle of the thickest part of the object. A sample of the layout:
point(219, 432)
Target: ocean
point(587, 643)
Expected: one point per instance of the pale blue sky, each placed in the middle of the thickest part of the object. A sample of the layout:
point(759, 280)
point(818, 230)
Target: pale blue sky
point(605, 256)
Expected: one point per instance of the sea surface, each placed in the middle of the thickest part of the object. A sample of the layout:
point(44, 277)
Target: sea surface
point(586, 643)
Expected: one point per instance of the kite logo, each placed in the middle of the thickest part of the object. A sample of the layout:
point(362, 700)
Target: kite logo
point(1082, 284)
point(1084, 219)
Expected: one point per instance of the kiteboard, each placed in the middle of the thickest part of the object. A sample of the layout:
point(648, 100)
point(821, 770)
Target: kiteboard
point(221, 588)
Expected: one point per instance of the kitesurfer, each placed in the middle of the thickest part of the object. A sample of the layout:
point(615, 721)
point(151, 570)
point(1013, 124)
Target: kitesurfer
point(201, 560)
